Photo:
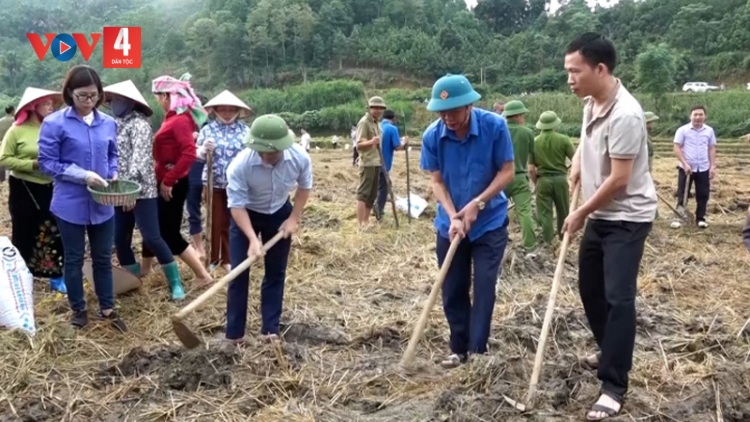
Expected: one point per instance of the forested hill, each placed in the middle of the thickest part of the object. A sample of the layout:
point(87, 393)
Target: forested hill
point(512, 46)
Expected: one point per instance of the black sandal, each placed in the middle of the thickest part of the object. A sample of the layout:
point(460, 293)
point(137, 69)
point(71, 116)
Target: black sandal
point(604, 409)
point(608, 411)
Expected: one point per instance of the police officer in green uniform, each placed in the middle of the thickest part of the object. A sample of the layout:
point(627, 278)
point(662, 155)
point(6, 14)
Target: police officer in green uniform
point(548, 170)
point(523, 149)
point(650, 119)
point(368, 142)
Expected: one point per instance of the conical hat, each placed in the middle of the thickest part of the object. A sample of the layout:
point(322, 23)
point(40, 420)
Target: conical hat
point(226, 98)
point(32, 94)
point(128, 90)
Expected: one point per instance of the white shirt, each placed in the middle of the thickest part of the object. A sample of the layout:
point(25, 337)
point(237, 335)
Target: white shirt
point(305, 141)
point(89, 118)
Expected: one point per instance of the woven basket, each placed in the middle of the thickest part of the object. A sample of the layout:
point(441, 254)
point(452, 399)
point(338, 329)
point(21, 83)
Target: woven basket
point(118, 193)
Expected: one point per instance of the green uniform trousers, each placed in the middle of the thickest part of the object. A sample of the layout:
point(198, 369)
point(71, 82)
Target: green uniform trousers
point(552, 191)
point(519, 190)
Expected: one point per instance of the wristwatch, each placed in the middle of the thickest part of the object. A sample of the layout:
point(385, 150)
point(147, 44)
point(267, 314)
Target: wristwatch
point(480, 203)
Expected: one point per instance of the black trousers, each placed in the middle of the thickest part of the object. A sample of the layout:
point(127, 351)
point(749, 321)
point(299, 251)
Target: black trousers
point(608, 263)
point(382, 193)
point(170, 219)
point(702, 191)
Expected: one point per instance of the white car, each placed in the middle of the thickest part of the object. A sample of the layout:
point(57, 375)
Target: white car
point(699, 87)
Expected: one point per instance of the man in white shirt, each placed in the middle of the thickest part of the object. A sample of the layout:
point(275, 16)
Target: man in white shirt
point(695, 148)
point(304, 140)
point(261, 179)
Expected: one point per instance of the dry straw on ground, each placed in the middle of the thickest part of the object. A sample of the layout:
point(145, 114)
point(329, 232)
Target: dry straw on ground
point(351, 300)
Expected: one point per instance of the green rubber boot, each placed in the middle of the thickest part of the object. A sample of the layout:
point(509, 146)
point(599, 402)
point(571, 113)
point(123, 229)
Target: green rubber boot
point(172, 272)
point(133, 268)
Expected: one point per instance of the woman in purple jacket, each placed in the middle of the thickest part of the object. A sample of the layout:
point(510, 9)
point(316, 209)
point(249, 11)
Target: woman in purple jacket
point(78, 147)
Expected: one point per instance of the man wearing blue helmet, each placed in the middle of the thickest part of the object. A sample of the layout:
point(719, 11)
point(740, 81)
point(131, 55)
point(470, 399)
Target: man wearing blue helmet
point(469, 155)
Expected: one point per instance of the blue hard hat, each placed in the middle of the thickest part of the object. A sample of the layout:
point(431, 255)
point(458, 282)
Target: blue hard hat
point(452, 92)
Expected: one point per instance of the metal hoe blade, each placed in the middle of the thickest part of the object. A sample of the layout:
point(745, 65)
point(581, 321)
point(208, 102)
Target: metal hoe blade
point(186, 336)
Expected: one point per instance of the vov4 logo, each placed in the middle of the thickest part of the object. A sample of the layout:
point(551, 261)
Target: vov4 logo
point(122, 46)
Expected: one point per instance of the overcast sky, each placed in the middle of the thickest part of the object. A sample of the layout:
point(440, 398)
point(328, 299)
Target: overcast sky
point(556, 3)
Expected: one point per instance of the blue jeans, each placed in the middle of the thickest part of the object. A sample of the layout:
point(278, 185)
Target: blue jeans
point(74, 243)
point(146, 216)
point(470, 324)
point(194, 199)
point(272, 287)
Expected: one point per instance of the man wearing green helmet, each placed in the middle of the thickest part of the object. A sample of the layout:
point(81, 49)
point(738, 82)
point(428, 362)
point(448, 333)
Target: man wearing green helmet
point(469, 155)
point(549, 171)
point(261, 178)
point(519, 190)
point(368, 145)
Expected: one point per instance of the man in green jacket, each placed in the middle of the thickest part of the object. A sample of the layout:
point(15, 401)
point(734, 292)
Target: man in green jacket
point(548, 169)
point(5, 123)
point(519, 189)
point(368, 146)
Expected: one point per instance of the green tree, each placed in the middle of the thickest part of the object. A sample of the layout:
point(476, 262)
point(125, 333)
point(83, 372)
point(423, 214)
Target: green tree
point(655, 69)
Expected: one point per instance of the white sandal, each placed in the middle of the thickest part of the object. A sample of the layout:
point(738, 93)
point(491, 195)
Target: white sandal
point(453, 361)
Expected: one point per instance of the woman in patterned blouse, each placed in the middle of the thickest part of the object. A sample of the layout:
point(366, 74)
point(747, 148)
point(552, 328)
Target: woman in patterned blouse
point(134, 137)
point(224, 138)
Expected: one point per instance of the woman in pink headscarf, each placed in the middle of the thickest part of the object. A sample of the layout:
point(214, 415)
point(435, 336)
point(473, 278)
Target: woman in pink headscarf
point(174, 153)
point(34, 232)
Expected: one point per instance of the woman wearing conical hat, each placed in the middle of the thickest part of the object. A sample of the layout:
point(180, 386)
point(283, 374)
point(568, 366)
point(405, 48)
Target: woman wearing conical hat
point(34, 233)
point(134, 144)
point(224, 138)
point(174, 154)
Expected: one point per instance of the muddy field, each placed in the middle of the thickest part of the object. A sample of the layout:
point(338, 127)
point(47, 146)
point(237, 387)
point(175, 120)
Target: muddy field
point(351, 301)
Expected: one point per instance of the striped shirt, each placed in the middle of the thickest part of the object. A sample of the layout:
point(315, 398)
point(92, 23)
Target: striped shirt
point(264, 188)
point(695, 143)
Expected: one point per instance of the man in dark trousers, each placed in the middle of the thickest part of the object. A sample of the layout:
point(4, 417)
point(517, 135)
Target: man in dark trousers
point(695, 148)
point(469, 155)
point(390, 142)
point(611, 164)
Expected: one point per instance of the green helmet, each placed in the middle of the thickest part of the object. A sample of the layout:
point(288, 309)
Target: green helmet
point(514, 108)
point(650, 116)
point(376, 102)
point(269, 133)
point(451, 92)
point(548, 121)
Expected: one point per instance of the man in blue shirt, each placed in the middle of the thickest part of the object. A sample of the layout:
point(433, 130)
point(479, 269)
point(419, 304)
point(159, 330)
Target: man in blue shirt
point(389, 142)
point(469, 155)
